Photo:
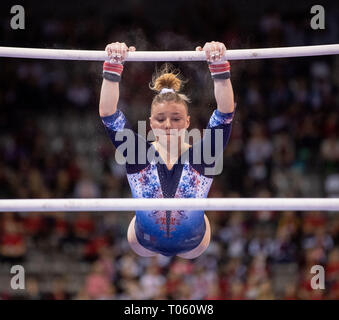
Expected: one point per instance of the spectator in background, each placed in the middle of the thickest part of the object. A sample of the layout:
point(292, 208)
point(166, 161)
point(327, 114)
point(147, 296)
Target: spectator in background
point(332, 273)
point(12, 241)
point(151, 282)
point(32, 289)
point(98, 285)
point(58, 290)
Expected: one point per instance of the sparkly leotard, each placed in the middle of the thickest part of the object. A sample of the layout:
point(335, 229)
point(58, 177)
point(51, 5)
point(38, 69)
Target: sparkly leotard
point(170, 232)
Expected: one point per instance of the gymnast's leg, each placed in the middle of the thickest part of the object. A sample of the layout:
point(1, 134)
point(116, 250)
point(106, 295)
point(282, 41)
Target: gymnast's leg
point(196, 252)
point(135, 245)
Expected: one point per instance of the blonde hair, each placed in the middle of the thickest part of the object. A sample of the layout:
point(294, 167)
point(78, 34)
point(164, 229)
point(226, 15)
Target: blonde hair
point(168, 77)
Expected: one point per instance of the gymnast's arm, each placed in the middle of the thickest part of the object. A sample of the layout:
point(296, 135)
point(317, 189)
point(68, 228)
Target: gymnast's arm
point(220, 71)
point(223, 116)
point(130, 145)
point(224, 96)
point(109, 95)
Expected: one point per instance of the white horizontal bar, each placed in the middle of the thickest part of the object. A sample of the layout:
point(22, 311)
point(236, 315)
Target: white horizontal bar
point(93, 55)
point(209, 204)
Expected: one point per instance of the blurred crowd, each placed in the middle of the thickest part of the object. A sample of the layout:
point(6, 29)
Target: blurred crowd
point(284, 143)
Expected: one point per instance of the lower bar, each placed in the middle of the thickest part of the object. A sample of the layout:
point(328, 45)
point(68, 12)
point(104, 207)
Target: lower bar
point(209, 204)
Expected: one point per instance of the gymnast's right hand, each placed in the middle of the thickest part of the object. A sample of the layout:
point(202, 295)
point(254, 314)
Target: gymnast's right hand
point(118, 51)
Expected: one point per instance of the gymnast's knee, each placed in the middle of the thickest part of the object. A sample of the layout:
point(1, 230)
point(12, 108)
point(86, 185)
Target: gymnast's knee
point(134, 243)
point(196, 252)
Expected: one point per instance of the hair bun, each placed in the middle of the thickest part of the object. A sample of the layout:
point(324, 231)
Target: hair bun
point(166, 77)
point(167, 80)
point(167, 83)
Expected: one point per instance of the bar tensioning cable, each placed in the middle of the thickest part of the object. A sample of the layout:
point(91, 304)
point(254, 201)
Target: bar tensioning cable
point(241, 54)
point(209, 204)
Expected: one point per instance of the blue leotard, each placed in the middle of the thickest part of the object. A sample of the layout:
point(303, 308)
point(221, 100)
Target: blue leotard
point(169, 232)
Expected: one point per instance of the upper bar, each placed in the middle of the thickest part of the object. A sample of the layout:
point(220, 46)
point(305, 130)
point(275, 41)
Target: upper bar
point(209, 204)
point(242, 54)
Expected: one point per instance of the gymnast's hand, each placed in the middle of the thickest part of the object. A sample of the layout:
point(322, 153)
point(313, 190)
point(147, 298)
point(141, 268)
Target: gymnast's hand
point(213, 50)
point(118, 51)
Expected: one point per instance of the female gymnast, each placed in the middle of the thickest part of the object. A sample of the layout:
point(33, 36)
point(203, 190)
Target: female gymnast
point(165, 174)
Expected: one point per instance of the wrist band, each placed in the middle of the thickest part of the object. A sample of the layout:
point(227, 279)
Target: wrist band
point(112, 71)
point(221, 70)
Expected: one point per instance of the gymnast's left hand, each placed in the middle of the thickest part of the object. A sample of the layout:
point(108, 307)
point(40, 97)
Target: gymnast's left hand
point(118, 51)
point(214, 50)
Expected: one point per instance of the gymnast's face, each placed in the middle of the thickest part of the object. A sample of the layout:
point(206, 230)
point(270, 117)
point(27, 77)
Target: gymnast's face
point(169, 119)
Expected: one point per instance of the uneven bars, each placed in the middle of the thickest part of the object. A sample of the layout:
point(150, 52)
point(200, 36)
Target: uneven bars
point(242, 54)
point(209, 204)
